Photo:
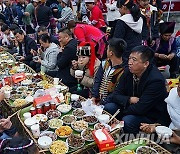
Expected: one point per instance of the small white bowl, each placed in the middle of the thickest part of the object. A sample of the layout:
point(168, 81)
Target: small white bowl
point(103, 118)
point(74, 97)
point(45, 142)
point(30, 121)
point(163, 131)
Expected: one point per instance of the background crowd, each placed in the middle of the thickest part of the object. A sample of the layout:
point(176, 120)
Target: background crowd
point(120, 54)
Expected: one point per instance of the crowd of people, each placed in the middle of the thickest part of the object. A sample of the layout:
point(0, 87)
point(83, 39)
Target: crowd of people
point(119, 55)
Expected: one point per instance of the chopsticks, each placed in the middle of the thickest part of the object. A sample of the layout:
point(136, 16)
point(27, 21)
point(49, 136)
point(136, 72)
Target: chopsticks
point(45, 150)
point(115, 114)
point(13, 114)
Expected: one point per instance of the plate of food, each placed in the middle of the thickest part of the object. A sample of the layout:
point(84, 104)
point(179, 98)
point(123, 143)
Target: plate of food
point(126, 152)
point(64, 108)
point(43, 125)
point(55, 123)
point(40, 117)
point(26, 82)
point(51, 114)
point(22, 89)
point(146, 150)
point(102, 126)
point(51, 134)
point(90, 119)
point(6, 88)
point(79, 113)
point(13, 97)
point(19, 102)
point(76, 104)
point(59, 147)
point(68, 119)
point(79, 126)
point(63, 131)
point(75, 141)
point(87, 135)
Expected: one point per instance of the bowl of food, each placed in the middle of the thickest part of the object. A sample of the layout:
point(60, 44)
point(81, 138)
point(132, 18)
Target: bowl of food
point(64, 108)
point(13, 97)
point(51, 114)
point(43, 125)
point(68, 119)
point(22, 89)
point(74, 97)
point(55, 123)
point(51, 134)
point(75, 141)
point(64, 131)
point(146, 150)
point(30, 121)
point(59, 147)
point(90, 119)
point(76, 104)
point(87, 135)
point(44, 142)
point(103, 118)
point(79, 113)
point(163, 131)
point(102, 126)
point(79, 126)
point(40, 117)
point(26, 82)
point(19, 102)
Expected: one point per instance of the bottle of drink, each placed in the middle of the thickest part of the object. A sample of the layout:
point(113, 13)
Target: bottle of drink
point(79, 88)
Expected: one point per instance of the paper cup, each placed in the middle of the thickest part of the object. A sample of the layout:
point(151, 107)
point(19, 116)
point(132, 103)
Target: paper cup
point(78, 73)
point(35, 130)
point(21, 66)
point(7, 94)
point(56, 81)
point(27, 115)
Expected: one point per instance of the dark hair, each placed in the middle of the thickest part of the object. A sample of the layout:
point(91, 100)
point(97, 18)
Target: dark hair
point(66, 31)
point(147, 54)
point(71, 24)
point(117, 46)
point(18, 31)
point(9, 146)
point(42, 28)
point(4, 27)
point(45, 38)
point(13, 27)
point(133, 8)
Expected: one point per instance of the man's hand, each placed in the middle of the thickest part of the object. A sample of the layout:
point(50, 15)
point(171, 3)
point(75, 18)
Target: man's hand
point(22, 58)
point(170, 56)
point(1, 95)
point(148, 128)
point(26, 14)
point(5, 124)
point(175, 138)
point(94, 100)
point(133, 100)
point(38, 60)
point(163, 56)
point(33, 52)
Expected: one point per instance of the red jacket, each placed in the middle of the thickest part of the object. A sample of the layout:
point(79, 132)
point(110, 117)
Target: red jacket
point(96, 17)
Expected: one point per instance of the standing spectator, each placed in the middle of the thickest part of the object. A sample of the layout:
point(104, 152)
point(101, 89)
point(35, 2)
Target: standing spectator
point(66, 13)
point(165, 48)
point(26, 46)
point(50, 2)
point(129, 26)
point(43, 15)
point(81, 9)
point(65, 57)
point(20, 8)
point(96, 17)
point(28, 20)
point(88, 33)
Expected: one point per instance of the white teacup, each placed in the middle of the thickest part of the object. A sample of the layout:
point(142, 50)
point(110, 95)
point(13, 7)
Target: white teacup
point(27, 115)
point(56, 81)
point(35, 130)
point(22, 66)
point(7, 94)
point(78, 73)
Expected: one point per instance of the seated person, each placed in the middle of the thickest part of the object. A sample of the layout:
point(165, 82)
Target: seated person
point(27, 46)
point(43, 30)
point(18, 145)
point(6, 128)
point(141, 92)
point(89, 64)
point(65, 57)
point(109, 74)
point(165, 48)
point(48, 59)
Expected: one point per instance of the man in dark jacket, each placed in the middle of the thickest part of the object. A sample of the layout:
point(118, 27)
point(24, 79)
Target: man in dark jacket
point(65, 57)
point(27, 46)
point(141, 92)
